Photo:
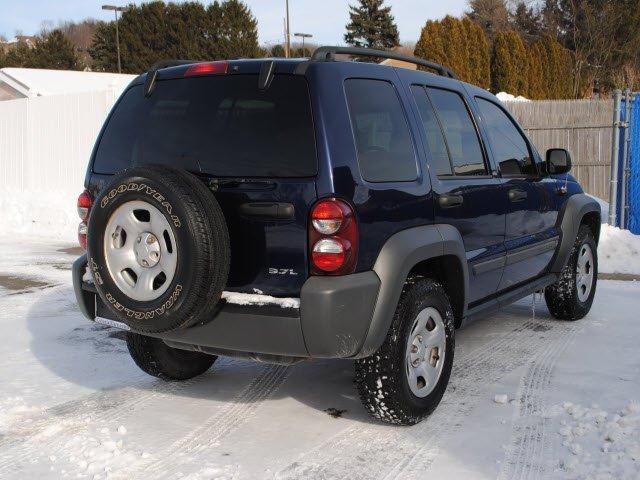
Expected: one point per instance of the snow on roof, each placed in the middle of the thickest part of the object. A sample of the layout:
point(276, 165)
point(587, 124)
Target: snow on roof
point(33, 82)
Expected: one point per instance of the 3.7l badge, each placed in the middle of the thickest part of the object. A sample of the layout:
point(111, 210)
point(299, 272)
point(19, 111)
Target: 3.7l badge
point(282, 271)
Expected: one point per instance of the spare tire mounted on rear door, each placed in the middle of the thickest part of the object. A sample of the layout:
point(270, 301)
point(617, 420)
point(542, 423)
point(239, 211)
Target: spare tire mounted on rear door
point(158, 249)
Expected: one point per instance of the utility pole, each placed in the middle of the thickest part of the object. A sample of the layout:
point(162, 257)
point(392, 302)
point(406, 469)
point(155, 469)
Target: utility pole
point(287, 47)
point(116, 10)
point(303, 36)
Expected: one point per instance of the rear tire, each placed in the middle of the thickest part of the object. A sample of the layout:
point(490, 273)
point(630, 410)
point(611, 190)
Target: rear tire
point(397, 384)
point(571, 297)
point(156, 358)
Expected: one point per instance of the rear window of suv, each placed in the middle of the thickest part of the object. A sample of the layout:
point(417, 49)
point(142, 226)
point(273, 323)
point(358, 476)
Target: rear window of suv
point(220, 125)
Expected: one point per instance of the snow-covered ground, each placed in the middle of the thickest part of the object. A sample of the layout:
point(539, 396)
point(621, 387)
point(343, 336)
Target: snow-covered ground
point(530, 397)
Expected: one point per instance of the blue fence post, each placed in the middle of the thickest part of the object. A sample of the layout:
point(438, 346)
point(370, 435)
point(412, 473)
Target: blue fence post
point(633, 177)
point(615, 157)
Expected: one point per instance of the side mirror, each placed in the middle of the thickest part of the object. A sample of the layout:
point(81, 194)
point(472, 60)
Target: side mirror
point(558, 161)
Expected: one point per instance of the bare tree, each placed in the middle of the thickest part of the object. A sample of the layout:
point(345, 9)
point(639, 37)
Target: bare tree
point(591, 36)
point(81, 36)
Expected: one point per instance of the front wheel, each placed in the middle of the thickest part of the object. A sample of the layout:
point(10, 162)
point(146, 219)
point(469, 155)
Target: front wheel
point(571, 297)
point(405, 379)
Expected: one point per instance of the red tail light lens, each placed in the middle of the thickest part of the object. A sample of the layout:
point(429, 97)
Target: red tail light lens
point(333, 238)
point(327, 217)
point(208, 68)
point(84, 207)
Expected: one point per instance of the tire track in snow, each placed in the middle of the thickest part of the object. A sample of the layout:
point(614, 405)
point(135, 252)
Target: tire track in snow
point(419, 463)
point(525, 456)
point(231, 417)
point(74, 416)
point(374, 450)
point(378, 440)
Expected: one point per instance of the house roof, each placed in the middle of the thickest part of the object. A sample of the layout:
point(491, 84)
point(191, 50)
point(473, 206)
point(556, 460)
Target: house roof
point(33, 82)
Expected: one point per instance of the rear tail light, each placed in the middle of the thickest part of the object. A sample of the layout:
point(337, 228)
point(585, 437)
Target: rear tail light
point(333, 238)
point(84, 207)
point(82, 235)
point(208, 68)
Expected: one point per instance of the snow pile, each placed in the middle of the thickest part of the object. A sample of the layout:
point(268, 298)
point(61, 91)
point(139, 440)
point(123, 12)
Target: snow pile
point(93, 455)
point(50, 214)
point(600, 444)
point(507, 97)
point(214, 472)
point(618, 251)
point(13, 410)
point(259, 298)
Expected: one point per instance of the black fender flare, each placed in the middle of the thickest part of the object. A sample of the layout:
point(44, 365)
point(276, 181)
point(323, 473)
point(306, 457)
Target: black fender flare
point(400, 253)
point(569, 220)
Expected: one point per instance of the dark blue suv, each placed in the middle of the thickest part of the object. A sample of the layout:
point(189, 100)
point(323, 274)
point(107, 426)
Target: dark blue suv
point(283, 210)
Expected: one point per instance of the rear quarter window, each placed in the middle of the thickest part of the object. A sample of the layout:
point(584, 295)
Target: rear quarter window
point(219, 125)
point(381, 132)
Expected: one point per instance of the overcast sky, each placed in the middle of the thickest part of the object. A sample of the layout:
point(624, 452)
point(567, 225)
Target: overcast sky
point(325, 19)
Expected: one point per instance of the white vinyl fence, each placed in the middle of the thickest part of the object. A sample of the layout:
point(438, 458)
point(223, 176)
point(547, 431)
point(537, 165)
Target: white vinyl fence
point(45, 144)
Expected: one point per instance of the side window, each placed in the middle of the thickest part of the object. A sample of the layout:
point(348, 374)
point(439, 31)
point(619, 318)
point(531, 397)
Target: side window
point(383, 142)
point(462, 138)
point(438, 154)
point(507, 143)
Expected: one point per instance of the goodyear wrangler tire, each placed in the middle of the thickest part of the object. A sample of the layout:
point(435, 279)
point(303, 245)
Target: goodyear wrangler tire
point(158, 249)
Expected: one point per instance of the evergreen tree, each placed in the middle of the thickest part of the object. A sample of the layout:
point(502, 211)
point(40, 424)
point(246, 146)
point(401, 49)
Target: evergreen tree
point(52, 50)
point(479, 54)
point(526, 20)
point(491, 15)
point(460, 45)
point(430, 45)
point(371, 25)
point(502, 68)
point(19, 56)
point(456, 49)
point(510, 64)
point(537, 84)
point(155, 31)
point(277, 51)
point(557, 65)
point(239, 31)
point(520, 62)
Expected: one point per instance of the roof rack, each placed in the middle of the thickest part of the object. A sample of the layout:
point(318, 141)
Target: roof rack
point(323, 54)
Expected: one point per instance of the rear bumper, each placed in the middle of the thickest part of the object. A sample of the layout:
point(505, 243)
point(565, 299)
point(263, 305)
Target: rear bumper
point(332, 322)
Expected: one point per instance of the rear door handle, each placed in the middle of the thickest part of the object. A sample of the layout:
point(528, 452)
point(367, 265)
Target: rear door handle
point(517, 195)
point(450, 201)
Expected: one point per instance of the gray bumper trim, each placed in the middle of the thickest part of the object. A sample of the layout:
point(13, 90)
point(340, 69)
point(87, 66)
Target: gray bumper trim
point(332, 322)
point(86, 299)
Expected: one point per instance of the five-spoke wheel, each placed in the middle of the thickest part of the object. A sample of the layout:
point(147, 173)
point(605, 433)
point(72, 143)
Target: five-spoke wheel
point(140, 250)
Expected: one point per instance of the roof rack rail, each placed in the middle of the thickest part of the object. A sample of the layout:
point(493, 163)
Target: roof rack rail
point(326, 53)
point(152, 73)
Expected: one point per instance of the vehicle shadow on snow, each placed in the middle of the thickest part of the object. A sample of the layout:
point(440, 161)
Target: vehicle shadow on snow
point(96, 357)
